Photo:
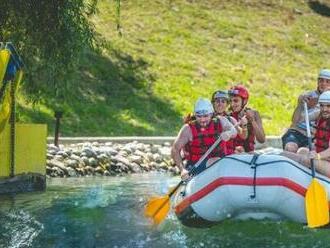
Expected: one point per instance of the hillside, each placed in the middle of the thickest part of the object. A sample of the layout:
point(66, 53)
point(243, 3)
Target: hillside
point(171, 52)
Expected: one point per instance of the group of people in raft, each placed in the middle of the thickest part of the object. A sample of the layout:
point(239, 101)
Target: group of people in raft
point(241, 126)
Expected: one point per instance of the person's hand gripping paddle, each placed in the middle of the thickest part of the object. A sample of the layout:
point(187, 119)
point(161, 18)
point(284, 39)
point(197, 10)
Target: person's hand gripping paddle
point(316, 200)
point(157, 208)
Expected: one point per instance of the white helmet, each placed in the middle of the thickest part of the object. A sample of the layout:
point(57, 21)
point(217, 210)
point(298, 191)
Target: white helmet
point(325, 97)
point(324, 73)
point(203, 106)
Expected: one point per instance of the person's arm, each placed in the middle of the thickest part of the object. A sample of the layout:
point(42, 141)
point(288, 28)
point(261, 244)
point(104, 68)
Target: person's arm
point(256, 122)
point(228, 129)
point(324, 155)
point(181, 140)
point(242, 128)
point(296, 116)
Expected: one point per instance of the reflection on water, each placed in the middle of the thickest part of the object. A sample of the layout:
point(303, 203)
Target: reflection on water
point(108, 212)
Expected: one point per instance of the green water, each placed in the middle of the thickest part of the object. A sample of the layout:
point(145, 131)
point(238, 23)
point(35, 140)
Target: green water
point(108, 212)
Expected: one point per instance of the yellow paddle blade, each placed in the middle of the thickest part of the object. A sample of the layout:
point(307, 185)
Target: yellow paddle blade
point(157, 208)
point(316, 202)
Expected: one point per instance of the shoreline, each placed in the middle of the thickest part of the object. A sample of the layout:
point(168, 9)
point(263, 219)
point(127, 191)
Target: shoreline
point(108, 159)
point(114, 159)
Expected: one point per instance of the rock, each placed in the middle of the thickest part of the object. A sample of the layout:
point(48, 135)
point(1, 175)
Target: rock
point(135, 168)
point(140, 146)
point(167, 144)
point(80, 171)
point(157, 157)
point(71, 172)
point(163, 166)
point(52, 147)
point(92, 162)
point(106, 173)
point(145, 167)
point(153, 165)
point(85, 160)
point(58, 158)
point(58, 164)
point(62, 154)
point(121, 159)
point(75, 157)
point(99, 169)
point(102, 157)
point(89, 152)
point(109, 151)
point(123, 153)
point(71, 163)
point(139, 153)
point(165, 152)
point(135, 159)
point(150, 156)
point(76, 152)
point(49, 156)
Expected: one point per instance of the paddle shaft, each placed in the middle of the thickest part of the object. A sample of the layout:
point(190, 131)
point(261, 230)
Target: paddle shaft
point(198, 163)
point(309, 137)
point(191, 172)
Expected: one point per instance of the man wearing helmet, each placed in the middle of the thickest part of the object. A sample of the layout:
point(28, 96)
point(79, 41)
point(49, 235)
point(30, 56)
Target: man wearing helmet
point(197, 136)
point(249, 119)
point(321, 154)
point(220, 101)
point(296, 135)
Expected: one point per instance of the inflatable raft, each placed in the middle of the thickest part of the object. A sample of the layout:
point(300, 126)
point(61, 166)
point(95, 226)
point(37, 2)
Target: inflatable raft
point(246, 186)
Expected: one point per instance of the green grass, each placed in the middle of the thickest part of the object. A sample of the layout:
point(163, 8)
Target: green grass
point(172, 52)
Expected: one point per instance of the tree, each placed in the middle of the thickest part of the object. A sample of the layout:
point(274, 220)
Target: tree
point(50, 35)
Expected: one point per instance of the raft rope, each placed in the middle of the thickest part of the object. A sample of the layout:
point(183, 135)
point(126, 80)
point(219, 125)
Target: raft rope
point(254, 167)
point(273, 162)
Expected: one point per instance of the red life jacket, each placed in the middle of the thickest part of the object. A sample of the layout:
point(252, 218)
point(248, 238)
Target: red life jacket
point(203, 139)
point(249, 142)
point(322, 135)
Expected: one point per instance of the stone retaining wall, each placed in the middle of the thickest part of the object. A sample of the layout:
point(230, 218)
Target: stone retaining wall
point(104, 156)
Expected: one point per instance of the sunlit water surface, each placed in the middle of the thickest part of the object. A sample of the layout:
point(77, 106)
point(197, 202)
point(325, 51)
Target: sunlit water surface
point(108, 212)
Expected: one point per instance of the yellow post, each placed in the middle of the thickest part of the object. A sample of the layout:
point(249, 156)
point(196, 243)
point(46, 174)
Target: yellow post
point(22, 146)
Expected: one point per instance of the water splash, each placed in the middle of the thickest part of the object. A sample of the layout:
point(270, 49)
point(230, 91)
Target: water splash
point(19, 228)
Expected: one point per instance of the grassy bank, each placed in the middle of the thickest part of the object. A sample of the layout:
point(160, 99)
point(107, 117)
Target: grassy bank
point(171, 52)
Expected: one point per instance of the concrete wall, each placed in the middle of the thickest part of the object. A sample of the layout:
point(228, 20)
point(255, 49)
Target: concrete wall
point(271, 141)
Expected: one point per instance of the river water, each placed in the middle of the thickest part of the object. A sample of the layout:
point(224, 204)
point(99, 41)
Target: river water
point(108, 212)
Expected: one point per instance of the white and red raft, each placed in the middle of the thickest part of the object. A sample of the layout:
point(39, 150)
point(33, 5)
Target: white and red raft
point(246, 186)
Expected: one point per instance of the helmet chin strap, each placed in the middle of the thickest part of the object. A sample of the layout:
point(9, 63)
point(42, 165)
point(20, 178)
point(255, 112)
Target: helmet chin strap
point(244, 103)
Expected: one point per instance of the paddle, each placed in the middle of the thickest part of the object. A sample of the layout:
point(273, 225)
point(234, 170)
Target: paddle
point(158, 207)
point(316, 202)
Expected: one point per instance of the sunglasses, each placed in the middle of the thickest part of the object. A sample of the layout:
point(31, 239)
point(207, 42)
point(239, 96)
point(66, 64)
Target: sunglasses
point(220, 100)
point(203, 116)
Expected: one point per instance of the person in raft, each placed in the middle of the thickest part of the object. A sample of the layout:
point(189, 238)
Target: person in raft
point(296, 137)
point(196, 137)
point(239, 97)
point(220, 102)
point(321, 154)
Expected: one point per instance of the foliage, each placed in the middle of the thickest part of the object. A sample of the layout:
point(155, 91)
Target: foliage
point(171, 52)
point(50, 36)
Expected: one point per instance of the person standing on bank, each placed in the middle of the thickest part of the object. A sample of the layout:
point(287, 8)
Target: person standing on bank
point(296, 135)
point(239, 97)
point(197, 136)
point(321, 154)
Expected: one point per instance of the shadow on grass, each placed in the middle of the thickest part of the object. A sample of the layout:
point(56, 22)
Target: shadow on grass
point(113, 96)
point(319, 8)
